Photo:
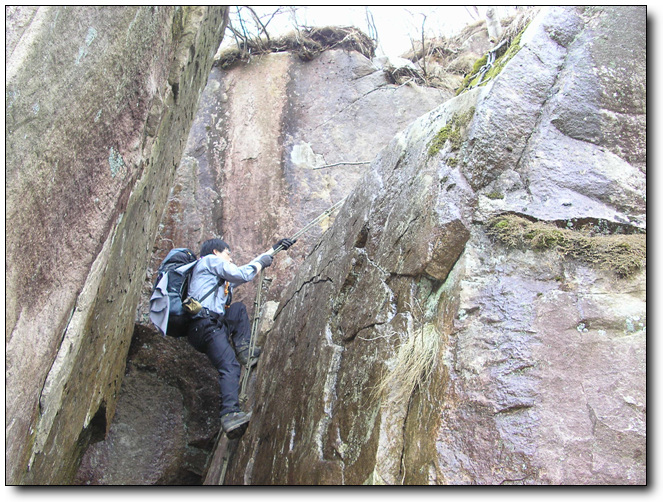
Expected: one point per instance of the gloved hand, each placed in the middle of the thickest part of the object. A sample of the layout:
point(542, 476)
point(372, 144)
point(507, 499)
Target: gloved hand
point(265, 260)
point(284, 243)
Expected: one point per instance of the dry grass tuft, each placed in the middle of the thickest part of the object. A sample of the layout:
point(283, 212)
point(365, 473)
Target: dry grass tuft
point(413, 368)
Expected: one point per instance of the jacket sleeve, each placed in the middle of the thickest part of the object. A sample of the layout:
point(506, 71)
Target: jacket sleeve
point(233, 273)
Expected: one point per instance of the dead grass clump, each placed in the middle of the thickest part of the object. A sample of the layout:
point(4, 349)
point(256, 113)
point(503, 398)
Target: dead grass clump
point(413, 367)
point(307, 44)
point(623, 254)
point(442, 49)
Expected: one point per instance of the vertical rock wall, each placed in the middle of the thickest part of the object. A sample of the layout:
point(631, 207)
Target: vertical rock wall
point(99, 103)
point(414, 347)
point(249, 172)
point(247, 175)
point(547, 362)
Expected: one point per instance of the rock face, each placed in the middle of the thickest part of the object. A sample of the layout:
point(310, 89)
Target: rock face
point(476, 314)
point(248, 174)
point(412, 347)
point(253, 167)
point(166, 419)
point(99, 103)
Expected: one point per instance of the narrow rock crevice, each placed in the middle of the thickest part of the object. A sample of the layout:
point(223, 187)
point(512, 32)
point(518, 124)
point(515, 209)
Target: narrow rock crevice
point(313, 281)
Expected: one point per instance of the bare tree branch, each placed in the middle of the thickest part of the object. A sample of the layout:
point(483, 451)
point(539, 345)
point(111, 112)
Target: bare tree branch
point(277, 11)
point(423, 47)
point(342, 164)
point(262, 28)
point(372, 29)
point(241, 24)
point(474, 15)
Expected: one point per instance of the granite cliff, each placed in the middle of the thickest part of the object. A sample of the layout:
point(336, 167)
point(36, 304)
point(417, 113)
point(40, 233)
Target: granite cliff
point(421, 342)
point(475, 313)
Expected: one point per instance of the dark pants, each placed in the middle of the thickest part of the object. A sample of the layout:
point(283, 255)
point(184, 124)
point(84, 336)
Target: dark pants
point(212, 336)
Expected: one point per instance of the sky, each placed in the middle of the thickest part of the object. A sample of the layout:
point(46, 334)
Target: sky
point(396, 25)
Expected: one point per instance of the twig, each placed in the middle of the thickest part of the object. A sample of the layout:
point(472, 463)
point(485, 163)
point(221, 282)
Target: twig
point(262, 26)
point(241, 24)
point(342, 164)
point(277, 11)
point(423, 47)
point(372, 29)
point(406, 82)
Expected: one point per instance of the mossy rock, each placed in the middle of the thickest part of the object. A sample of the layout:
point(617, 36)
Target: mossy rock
point(623, 254)
point(495, 195)
point(453, 131)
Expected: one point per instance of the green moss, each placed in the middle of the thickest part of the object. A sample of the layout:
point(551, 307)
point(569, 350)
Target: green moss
point(453, 131)
point(495, 195)
point(445, 134)
point(501, 62)
point(470, 77)
point(623, 254)
point(479, 63)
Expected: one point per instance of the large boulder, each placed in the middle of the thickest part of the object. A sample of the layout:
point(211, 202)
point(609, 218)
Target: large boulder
point(426, 341)
point(99, 105)
point(166, 421)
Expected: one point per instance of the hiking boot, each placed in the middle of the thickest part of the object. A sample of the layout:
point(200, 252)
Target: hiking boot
point(234, 424)
point(243, 354)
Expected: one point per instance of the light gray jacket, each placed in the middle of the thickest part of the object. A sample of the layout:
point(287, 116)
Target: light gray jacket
point(206, 274)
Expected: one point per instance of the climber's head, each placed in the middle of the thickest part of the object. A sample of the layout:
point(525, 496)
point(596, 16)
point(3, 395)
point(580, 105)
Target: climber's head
point(216, 247)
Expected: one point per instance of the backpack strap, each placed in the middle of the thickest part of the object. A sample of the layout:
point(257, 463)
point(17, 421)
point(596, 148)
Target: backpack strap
point(186, 284)
point(218, 284)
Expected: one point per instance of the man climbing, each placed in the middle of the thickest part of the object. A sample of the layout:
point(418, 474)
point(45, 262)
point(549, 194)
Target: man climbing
point(222, 329)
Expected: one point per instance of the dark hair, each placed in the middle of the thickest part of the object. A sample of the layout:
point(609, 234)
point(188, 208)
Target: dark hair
point(210, 245)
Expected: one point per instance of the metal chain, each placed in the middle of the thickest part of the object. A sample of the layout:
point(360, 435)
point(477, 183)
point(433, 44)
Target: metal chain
point(490, 60)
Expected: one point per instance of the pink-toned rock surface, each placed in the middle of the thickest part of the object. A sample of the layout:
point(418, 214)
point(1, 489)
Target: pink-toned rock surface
point(249, 172)
point(536, 362)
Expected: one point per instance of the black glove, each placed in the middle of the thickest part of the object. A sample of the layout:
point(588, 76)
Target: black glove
point(284, 243)
point(265, 260)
